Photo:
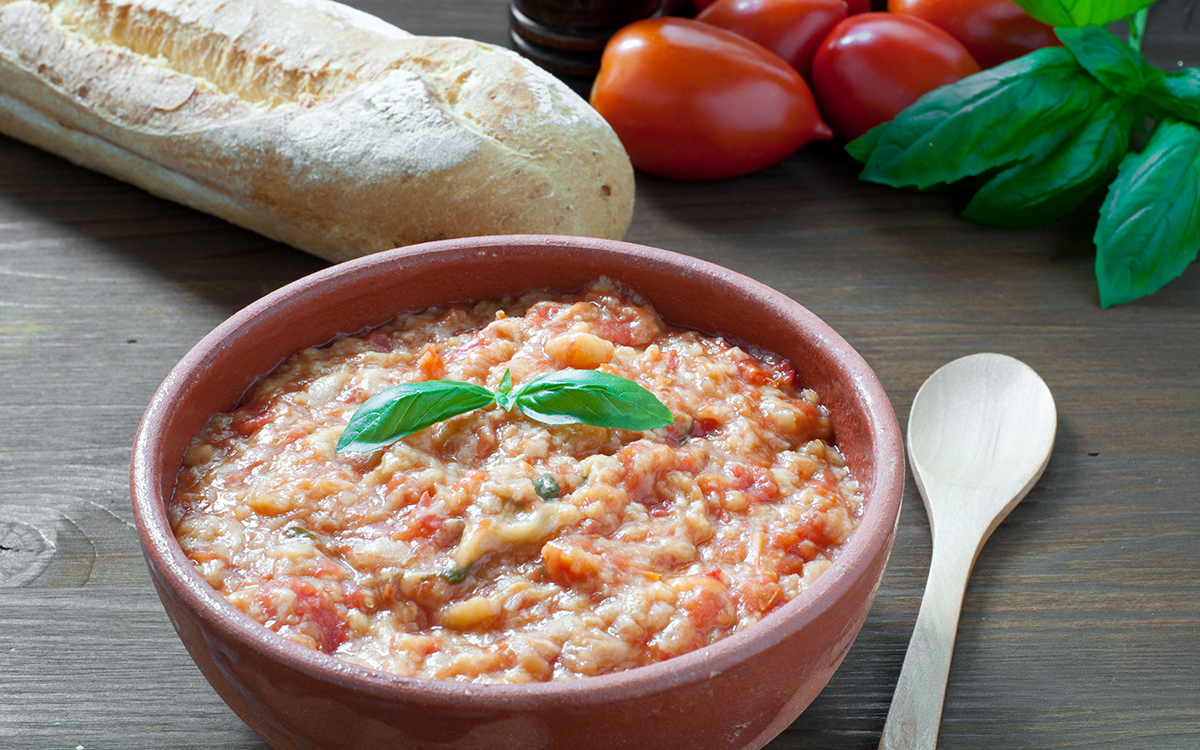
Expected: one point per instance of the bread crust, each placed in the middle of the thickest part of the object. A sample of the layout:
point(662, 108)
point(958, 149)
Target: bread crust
point(310, 122)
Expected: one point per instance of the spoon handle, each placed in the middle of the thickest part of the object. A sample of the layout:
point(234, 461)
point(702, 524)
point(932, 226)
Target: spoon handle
point(916, 711)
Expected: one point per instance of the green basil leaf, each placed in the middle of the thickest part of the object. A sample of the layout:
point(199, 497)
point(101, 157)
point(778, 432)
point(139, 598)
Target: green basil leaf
point(1174, 94)
point(861, 147)
point(1024, 108)
point(504, 394)
point(454, 575)
point(1030, 194)
point(1149, 229)
point(547, 487)
point(1082, 12)
point(407, 408)
point(1122, 69)
point(299, 532)
point(592, 397)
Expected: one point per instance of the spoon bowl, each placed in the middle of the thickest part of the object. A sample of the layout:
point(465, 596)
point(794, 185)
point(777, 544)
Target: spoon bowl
point(981, 426)
point(980, 434)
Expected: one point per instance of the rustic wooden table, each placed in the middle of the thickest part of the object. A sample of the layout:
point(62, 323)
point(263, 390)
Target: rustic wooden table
point(1081, 625)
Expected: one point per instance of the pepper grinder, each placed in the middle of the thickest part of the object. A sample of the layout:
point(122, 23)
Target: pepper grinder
point(567, 37)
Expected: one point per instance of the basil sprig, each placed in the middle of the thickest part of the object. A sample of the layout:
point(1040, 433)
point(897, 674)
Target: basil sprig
point(1051, 128)
point(563, 397)
point(1082, 12)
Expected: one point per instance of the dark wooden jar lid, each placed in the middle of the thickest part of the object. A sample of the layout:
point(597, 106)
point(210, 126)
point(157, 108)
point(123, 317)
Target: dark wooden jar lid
point(567, 36)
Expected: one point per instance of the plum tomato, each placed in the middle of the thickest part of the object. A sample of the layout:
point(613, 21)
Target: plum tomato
point(792, 29)
point(872, 66)
point(993, 31)
point(854, 7)
point(691, 101)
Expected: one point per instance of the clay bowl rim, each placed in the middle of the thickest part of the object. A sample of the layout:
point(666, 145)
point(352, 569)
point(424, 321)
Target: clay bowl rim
point(165, 557)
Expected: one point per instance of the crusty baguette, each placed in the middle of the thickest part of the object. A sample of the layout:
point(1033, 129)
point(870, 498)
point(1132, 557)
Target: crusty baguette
point(310, 122)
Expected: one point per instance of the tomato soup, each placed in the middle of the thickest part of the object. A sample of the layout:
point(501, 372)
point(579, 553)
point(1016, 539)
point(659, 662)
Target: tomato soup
point(494, 548)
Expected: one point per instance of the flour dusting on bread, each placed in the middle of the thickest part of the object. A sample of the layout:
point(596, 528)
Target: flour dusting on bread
point(359, 132)
point(556, 102)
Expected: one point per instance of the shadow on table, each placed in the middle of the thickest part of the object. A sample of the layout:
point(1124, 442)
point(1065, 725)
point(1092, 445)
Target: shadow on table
point(89, 213)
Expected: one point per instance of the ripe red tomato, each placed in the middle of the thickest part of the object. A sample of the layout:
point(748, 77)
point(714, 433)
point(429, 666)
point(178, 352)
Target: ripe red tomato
point(874, 65)
point(993, 31)
point(692, 101)
point(792, 29)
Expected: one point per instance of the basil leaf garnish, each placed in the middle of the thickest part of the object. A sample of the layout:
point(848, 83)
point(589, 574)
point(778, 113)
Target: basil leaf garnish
point(504, 395)
point(592, 397)
point(406, 408)
point(1149, 229)
point(564, 397)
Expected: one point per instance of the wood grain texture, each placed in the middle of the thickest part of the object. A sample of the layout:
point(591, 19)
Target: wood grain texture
point(1081, 624)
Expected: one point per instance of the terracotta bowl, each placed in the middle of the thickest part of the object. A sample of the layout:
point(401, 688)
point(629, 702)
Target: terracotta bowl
point(738, 693)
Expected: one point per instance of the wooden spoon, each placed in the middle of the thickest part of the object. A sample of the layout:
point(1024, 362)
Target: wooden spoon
point(979, 436)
